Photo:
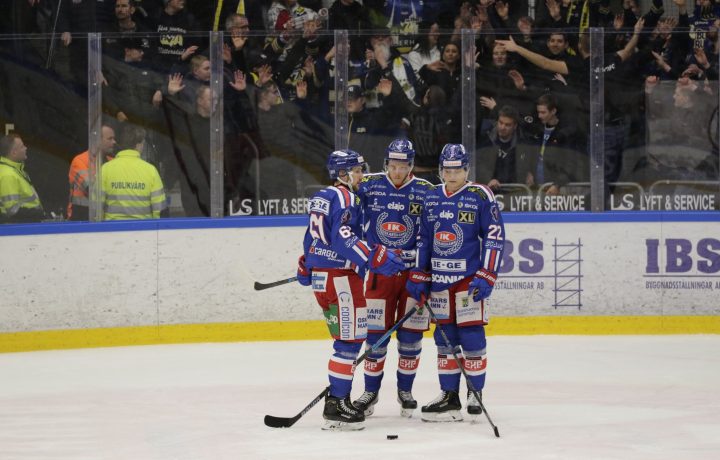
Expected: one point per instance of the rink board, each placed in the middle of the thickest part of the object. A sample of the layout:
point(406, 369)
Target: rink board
point(174, 281)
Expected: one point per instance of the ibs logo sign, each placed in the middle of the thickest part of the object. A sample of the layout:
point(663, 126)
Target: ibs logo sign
point(683, 256)
point(529, 257)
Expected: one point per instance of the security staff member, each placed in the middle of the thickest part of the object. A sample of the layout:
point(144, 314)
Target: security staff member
point(132, 188)
point(19, 202)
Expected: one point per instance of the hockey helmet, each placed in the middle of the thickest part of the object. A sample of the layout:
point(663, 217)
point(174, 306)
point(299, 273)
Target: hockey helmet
point(344, 160)
point(401, 150)
point(454, 156)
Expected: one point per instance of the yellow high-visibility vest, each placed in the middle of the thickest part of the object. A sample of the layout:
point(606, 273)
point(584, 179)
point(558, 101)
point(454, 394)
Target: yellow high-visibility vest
point(131, 188)
point(16, 190)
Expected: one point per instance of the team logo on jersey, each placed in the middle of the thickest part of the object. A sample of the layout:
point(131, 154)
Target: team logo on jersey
point(415, 209)
point(466, 217)
point(495, 212)
point(394, 234)
point(346, 216)
point(446, 243)
point(394, 227)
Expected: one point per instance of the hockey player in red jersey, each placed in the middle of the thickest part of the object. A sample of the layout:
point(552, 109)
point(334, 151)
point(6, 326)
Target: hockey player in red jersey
point(334, 262)
point(392, 203)
point(459, 252)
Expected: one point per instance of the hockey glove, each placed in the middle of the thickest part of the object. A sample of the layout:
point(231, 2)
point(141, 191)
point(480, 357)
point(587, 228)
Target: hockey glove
point(418, 285)
point(304, 276)
point(481, 285)
point(385, 261)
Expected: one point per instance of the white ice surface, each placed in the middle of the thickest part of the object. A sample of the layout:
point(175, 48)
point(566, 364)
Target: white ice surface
point(552, 397)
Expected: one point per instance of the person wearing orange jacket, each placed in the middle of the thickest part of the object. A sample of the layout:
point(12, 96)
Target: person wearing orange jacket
point(79, 176)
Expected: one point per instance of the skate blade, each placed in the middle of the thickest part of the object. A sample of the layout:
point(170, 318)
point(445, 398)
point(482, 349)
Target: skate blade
point(474, 418)
point(447, 416)
point(334, 425)
point(407, 413)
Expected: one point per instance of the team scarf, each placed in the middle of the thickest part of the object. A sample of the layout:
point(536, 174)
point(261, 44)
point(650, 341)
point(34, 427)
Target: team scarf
point(239, 10)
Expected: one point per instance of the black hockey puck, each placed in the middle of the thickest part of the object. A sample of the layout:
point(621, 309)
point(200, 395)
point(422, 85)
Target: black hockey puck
point(392, 436)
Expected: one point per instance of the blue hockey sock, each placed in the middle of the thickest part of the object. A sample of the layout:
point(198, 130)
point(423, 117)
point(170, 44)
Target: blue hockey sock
point(375, 362)
point(341, 367)
point(409, 348)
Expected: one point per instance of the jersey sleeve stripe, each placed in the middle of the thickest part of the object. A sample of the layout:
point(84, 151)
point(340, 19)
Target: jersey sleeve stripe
point(492, 261)
point(362, 251)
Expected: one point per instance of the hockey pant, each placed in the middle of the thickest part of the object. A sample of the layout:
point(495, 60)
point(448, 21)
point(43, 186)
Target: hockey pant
point(387, 302)
point(345, 316)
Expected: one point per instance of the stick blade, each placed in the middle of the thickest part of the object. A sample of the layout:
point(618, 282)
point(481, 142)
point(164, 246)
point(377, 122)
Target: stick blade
point(497, 432)
point(279, 422)
point(258, 286)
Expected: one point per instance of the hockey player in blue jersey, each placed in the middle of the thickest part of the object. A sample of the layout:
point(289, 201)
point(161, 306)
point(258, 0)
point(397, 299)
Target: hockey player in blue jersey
point(459, 252)
point(392, 203)
point(334, 262)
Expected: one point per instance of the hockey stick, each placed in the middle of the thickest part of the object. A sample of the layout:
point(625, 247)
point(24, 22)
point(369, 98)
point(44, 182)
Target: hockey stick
point(462, 368)
point(287, 422)
point(261, 286)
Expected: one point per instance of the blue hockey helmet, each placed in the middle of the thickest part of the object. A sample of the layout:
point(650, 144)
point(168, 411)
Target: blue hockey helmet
point(344, 160)
point(454, 156)
point(401, 150)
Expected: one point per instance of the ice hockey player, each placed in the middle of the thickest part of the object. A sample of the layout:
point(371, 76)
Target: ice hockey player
point(334, 262)
point(392, 203)
point(459, 252)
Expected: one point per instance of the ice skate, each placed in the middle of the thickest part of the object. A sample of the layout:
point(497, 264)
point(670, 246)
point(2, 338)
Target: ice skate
point(445, 408)
point(473, 406)
point(341, 415)
point(407, 403)
point(366, 402)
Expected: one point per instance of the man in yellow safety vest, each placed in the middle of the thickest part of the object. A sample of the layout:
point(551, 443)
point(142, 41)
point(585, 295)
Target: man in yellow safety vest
point(19, 202)
point(131, 187)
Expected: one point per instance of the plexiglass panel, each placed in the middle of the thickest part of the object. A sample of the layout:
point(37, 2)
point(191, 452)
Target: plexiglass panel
point(563, 108)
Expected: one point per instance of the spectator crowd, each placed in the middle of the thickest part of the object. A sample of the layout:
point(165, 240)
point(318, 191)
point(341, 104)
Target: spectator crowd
point(532, 63)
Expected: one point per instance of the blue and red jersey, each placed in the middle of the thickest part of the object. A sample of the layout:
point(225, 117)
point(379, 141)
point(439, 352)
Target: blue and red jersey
point(331, 239)
point(391, 215)
point(459, 234)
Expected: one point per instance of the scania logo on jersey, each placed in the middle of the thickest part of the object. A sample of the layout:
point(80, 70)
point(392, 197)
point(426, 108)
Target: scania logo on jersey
point(447, 215)
point(448, 265)
point(396, 206)
point(445, 237)
point(394, 227)
point(415, 209)
point(446, 279)
point(466, 217)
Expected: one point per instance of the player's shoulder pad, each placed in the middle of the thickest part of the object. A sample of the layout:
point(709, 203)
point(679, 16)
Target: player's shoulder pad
point(422, 183)
point(483, 191)
point(368, 178)
point(343, 197)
